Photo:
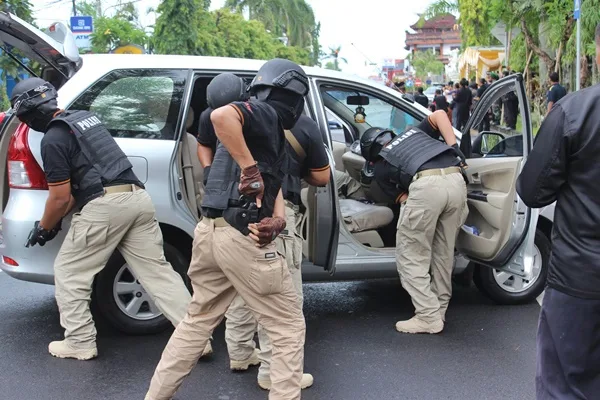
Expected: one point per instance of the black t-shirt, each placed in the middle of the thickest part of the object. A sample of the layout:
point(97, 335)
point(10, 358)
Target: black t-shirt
point(206, 132)
point(556, 93)
point(307, 133)
point(481, 90)
point(61, 158)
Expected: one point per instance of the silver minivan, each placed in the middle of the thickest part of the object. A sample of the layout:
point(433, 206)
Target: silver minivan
point(151, 105)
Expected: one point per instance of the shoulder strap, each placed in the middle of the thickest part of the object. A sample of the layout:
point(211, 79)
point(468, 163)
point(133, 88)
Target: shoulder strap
point(295, 144)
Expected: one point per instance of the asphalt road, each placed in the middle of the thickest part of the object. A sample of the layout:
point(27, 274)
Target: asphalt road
point(485, 352)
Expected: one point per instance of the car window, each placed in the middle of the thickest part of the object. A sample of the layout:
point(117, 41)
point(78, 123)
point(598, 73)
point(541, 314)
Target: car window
point(136, 103)
point(378, 113)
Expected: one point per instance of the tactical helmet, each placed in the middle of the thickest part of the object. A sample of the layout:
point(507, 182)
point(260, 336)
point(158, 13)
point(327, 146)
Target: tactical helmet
point(373, 140)
point(30, 94)
point(283, 74)
point(225, 88)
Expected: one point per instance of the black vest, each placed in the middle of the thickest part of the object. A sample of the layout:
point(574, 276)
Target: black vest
point(100, 161)
point(409, 151)
point(221, 190)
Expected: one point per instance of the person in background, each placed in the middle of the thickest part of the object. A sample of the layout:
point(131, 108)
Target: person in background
point(511, 106)
point(497, 106)
point(421, 98)
point(556, 91)
point(441, 103)
point(453, 105)
point(563, 167)
point(485, 122)
point(463, 101)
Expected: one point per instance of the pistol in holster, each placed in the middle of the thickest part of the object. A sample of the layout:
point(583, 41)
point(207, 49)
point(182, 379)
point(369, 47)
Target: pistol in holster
point(240, 216)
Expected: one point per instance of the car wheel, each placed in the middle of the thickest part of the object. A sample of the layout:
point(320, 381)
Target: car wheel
point(506, 288)
point(124, 303)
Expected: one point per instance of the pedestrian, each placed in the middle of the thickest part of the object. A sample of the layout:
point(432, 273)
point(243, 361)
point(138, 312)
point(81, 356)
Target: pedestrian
point(463, 101)
point(563, 168)
point(484, 126)
point(307, 159)
point(441, 103)
point(421, 98)
point(430, 186)
point(497, 105)
point(511, 106)
point(453, 105)
point(556, 91)
point(87, 170)
point(243, 211)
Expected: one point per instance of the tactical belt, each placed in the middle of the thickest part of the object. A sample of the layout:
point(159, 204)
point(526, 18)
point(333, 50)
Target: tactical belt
point(121, 189)
point(221, 223)
point(436, 171)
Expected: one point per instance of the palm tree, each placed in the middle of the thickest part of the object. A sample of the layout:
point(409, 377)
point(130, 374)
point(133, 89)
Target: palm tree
point(295, 18)
point(441, 7)
point(335, 56)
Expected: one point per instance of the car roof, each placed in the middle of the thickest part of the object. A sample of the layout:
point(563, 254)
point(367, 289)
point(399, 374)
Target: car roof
point(104, 63)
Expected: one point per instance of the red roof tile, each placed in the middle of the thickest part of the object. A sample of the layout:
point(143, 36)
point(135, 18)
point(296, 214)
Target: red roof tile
point(445, 21)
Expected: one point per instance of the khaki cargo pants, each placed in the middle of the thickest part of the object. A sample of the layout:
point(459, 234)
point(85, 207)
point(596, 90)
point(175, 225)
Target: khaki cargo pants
point(225, 263)
point(125, 221)
point(428, 226)
point(241, 325)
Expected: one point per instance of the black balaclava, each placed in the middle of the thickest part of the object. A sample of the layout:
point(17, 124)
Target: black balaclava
point(39, 117)
point(288, 105)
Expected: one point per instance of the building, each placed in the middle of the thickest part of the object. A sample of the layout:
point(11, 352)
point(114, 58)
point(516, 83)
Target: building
point(394, 69)
point(441, 33)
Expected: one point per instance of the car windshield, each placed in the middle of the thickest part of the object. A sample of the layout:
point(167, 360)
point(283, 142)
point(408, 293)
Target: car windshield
point(430, 90)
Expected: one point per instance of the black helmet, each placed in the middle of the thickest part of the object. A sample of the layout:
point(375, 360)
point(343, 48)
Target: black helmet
point(283, 74)
point(30, 94)
point(373, 140)
point(225, 88)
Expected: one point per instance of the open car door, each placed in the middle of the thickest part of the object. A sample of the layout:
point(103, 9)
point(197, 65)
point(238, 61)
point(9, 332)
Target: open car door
point(323, 226)
point(500, 229)
point(54, 49)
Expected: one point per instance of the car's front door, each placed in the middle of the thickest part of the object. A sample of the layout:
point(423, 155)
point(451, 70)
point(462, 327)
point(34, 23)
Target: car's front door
point(500, 229)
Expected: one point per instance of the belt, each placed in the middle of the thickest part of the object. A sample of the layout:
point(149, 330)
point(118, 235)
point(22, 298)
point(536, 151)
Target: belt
point(436, 171)
point(221, 223)
point(121, 189)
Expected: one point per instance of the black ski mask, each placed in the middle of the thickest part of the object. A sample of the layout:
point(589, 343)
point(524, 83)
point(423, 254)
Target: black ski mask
point(39, 117)
point(288, 105)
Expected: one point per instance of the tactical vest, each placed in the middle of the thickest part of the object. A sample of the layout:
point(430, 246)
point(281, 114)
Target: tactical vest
point(100, 161)
point(409, 151)
point(221, 191)
point(292, 182)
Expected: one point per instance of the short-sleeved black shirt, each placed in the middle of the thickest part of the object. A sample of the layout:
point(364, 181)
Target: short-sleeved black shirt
point(60, 156)
point(206, 131)
point(556, 92)
point(307, 133)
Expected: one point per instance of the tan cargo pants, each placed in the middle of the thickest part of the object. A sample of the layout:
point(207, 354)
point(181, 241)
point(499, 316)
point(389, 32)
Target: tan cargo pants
point(240, 325)
point(428, 226)
point(225, 263)
point(348, 185)
point(123, 221)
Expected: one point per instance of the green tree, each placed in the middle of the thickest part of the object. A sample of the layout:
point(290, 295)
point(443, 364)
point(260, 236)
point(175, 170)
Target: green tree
point(4, 102)
point(426, 62)
point(113, 32)
point(176, 31)
point(22, 9)
point(334, 56)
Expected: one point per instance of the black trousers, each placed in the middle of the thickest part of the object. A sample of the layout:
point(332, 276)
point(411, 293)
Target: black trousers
point(568, 348)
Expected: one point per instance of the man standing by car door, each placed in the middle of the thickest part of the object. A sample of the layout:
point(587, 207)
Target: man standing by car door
point(233, 250)
point(85, 168)
point(423, 174)
point(563, 167)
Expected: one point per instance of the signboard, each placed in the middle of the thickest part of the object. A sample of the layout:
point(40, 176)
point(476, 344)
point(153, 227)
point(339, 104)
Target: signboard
point(388, 62)
point(129, 49)
point(499, 32)
point(577, 9)
point(82, 27)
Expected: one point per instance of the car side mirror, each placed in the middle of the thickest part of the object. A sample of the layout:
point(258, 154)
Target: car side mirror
point(485, 141)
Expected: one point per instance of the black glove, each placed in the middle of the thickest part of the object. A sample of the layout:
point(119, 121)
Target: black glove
point(205, 177)
point(40, 235)
point(463, 160)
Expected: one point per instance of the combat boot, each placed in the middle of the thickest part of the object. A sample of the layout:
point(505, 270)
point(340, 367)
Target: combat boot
point(62, 349)
point(306, 382)
point(417, 325)
point(242, 365)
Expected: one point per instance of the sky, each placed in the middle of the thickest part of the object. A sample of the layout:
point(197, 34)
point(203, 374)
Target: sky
point(367, 30)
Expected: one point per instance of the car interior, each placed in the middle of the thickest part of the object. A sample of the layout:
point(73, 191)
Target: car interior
point(372, 220)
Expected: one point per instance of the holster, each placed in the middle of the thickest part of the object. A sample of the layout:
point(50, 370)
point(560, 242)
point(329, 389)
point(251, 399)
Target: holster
point(240, 217)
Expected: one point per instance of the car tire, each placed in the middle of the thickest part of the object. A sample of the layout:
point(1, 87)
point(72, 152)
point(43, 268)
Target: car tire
point(487, 279)
point(110, 305)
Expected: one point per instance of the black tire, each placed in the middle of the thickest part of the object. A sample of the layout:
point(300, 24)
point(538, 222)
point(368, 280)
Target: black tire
point(106, 304)
point(485, 282)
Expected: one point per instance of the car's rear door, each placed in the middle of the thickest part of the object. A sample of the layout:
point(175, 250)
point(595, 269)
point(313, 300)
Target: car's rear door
point(54, 49)
point(500, 228)
point(323, 219)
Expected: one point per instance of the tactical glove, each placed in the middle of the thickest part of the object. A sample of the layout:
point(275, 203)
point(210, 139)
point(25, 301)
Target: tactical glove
point(39, 235)
point(463, 160)
point(251, 182)
point(269, 229)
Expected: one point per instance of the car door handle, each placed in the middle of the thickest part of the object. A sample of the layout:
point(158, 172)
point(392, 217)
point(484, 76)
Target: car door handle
point(475, 178)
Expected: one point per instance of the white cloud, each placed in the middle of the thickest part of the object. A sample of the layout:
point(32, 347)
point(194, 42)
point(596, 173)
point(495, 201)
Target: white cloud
point(376, 27)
